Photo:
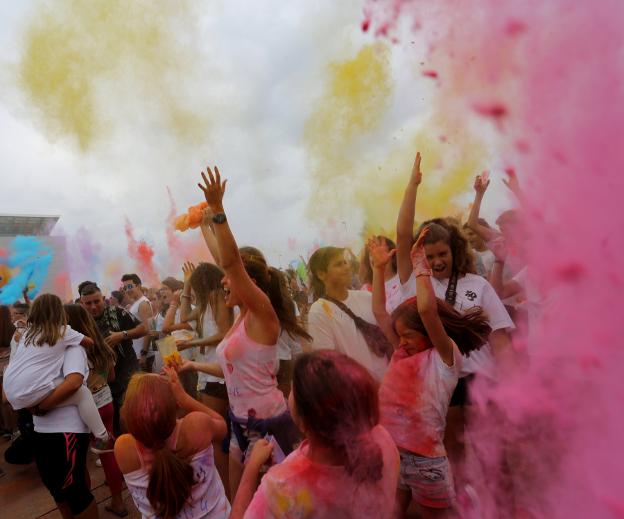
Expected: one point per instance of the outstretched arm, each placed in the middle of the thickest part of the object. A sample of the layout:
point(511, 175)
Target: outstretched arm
point(208, 233)
point(427, 303)
point(481, 184)
point(189, 404)
point(260, 454)
point(380, 257)
point(256, 301)
point(405, 222)
point(212, 368)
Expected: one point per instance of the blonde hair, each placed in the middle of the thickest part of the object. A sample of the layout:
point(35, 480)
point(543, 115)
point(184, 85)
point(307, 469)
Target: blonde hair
point(46, 321)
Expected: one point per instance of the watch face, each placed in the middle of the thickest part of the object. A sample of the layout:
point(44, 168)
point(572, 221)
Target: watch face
point(219, 218)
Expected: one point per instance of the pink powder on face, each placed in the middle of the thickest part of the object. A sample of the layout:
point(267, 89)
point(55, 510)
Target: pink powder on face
point(557, 421)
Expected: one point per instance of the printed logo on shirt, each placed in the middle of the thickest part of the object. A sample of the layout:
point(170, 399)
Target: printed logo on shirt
point(470, 295)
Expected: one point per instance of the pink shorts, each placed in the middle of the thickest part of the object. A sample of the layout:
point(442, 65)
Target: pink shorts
point(429, 479)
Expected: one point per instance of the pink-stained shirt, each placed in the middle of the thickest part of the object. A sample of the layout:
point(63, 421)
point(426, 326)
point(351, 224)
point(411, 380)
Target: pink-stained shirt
point(250, 370)
point(303, 489)
point(414, 397)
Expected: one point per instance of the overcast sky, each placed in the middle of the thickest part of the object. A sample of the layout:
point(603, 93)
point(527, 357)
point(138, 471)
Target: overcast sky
point(246, 77)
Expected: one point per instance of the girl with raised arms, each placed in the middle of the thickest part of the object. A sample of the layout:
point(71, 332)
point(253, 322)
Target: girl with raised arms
point(247, 355)
point(428, 336)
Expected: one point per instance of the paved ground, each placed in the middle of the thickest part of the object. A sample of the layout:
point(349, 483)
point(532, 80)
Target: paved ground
point(23, 496)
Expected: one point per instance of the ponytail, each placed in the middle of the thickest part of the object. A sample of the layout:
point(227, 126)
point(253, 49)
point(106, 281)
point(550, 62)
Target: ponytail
point(150, 413)
point(364, 459)
point(284, 306)
point(273, 283)
point(170, 483)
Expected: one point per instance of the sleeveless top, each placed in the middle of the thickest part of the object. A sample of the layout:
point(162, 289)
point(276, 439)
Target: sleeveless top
point(207, 499)
point(137, 344)
point(250, 370)
point(209, 355)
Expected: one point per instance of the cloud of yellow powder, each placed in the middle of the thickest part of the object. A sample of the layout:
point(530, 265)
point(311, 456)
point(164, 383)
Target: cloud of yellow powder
point(86, 63)
point(450, 160)
point(344, 124)
point(353, 104)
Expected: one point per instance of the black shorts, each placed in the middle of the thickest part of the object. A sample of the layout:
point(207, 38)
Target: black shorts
point(461, 395)
point(285, 372)
point(216, 390)
point(61, 460)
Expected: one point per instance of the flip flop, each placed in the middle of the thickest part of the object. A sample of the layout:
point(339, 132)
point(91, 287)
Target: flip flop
point(110, 509)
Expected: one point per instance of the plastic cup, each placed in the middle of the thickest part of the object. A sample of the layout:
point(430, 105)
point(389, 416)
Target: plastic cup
point(168, 351)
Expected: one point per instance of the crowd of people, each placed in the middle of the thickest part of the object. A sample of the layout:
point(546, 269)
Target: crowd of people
point(340, 396)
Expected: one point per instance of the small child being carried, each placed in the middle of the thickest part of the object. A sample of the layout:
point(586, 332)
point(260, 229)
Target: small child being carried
point(33, 371)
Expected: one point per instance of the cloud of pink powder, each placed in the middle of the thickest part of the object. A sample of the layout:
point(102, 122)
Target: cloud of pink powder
point(548, 77)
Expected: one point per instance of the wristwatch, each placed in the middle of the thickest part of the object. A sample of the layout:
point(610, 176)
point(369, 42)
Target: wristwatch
point(125, 334)
point(219, 218)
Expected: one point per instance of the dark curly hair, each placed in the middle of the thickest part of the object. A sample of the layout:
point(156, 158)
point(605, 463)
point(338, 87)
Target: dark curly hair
point(440, 229)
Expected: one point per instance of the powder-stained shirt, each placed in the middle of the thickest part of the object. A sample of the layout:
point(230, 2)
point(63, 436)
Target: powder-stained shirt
point(303, 489)
point(472, 291)
point(414, 397)
point(250, 370)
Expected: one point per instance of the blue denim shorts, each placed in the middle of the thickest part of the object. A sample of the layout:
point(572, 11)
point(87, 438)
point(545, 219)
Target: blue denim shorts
point(429, 479)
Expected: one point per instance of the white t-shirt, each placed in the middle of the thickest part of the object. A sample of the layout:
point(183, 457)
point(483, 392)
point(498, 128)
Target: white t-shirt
point(333, 329)
point(472, 290)
point(137, 344)
point(66, 419)
point(33, 369)
point(287, 346)
point(487, 261)
point(414, 398)
point(209, 328)
point(393, 293)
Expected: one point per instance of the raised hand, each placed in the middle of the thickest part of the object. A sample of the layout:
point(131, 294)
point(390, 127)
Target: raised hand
point(512, 182)
point(174, 383)
point(187, 270)
point(213, 189)
point(416, 173)
point(499, 247)
point(260, 453)
point(175, 298)
point(481, 183)
point(379, 253)
point(417, 254)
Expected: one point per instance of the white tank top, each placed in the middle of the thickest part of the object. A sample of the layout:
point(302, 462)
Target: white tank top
point(250, 370)
point(137, 344)
point(209, 355)
point(207, 499)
